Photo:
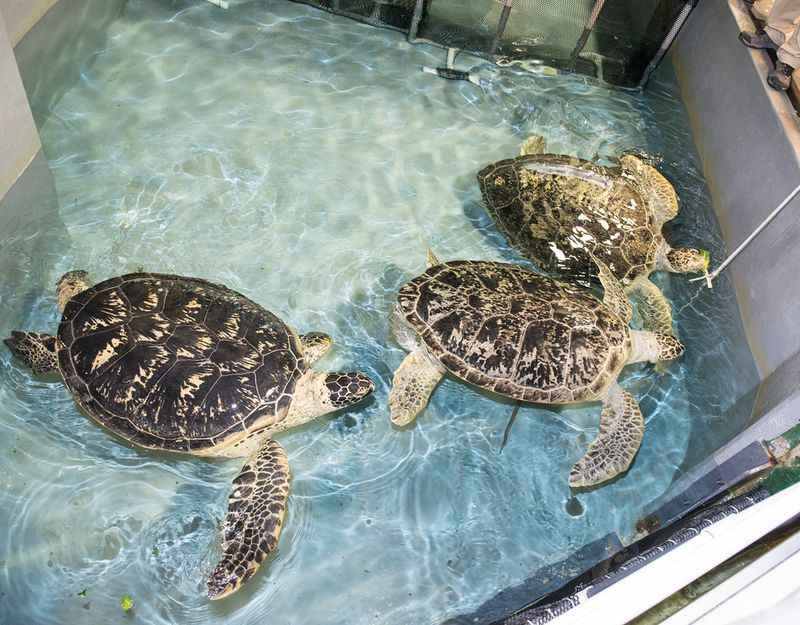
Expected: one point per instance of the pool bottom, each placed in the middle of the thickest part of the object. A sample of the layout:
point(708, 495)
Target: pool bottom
point(311, 170)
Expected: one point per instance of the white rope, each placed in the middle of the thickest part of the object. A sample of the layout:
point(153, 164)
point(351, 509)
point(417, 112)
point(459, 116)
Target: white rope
point(709, 278)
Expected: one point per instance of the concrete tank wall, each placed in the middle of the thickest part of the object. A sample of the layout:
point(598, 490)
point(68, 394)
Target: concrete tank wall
point(19, 140)
point(21, 15)
point(52, 54)
point(43, 45)
point(748, 137)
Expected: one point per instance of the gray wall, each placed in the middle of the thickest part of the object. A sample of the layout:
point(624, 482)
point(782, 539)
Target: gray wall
point(43, 46)
point(19, 141)
point(21, 15)
point(52, 55)
point(748, 137)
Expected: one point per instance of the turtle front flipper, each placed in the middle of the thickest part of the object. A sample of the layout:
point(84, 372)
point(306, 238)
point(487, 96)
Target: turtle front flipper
point(413, 383)
point(654, 308)
point(614, 296)
point(315, 346)
point(69, 285)
point(611, 453)
point(535, 144)
point(252, 526)
point(38, 351)
point(432, 259)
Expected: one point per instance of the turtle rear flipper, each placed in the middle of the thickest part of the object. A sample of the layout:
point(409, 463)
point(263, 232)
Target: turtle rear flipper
point(654, 308)
point(38, 351)
point(252, 526)
point(614, 296)
point(611, 453)
point(656, 188)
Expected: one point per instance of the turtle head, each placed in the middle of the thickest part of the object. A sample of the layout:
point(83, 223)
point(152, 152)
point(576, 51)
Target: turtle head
point(346, 389)
point(318, 394)
point(654, 347)
point(688, 260)
point(69, 285)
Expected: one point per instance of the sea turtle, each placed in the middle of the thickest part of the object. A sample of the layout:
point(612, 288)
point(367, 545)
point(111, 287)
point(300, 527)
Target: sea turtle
point(558, 210)
point(184, 365)
point(523, 335)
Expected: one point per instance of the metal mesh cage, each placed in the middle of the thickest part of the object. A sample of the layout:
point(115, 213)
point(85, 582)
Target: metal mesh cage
point(618, 41)
point(397, 14)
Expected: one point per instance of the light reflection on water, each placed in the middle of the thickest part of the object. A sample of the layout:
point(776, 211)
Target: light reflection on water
point(303, 160)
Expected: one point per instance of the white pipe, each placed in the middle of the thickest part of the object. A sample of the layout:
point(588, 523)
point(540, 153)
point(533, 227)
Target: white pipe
point(450, 63)
point(710, 277)
point(222, 4)
point(638, 592)
point(755, 588)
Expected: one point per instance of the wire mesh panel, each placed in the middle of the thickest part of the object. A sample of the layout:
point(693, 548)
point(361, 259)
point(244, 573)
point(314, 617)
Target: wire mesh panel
point(619, 41)
point(532, 29)
point(395, 14)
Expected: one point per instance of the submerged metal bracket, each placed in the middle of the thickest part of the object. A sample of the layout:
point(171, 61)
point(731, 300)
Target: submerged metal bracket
point(449, 72)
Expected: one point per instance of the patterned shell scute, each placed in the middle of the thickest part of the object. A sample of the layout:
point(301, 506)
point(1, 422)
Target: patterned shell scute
point(559, 210)
point(515, 332)
point(176, 363)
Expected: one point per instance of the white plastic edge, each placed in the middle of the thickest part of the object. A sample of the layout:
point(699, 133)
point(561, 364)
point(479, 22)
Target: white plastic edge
point(758, 587)
point(641, 590)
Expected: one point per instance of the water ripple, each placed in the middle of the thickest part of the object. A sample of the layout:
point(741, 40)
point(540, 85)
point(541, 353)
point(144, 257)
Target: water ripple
point(304, 160)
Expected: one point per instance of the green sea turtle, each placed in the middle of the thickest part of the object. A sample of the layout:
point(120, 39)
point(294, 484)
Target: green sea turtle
point(180, 364)
point(559, 210)
point(525, 336)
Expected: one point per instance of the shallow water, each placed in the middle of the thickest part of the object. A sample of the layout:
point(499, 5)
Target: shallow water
point(303, 159)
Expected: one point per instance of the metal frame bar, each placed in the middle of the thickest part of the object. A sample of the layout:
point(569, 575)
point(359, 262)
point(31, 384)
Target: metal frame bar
point(415, 21)
point(501, 24)
point(587, 30)
point(673, 32)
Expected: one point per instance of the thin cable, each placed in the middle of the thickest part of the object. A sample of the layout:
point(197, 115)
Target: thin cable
point(709, 278)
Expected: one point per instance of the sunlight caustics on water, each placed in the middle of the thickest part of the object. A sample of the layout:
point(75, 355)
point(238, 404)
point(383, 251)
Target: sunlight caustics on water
point(305, 161)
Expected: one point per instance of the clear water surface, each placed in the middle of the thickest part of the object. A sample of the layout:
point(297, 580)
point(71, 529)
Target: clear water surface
point(304, 160)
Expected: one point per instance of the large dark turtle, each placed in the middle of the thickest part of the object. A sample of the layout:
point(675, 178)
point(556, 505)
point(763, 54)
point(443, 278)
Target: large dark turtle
point(559, 211)
point(525, 336)
point(184, 365)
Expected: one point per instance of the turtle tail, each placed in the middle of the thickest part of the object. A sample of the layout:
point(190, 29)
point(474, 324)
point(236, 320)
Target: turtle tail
point(38, 351)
